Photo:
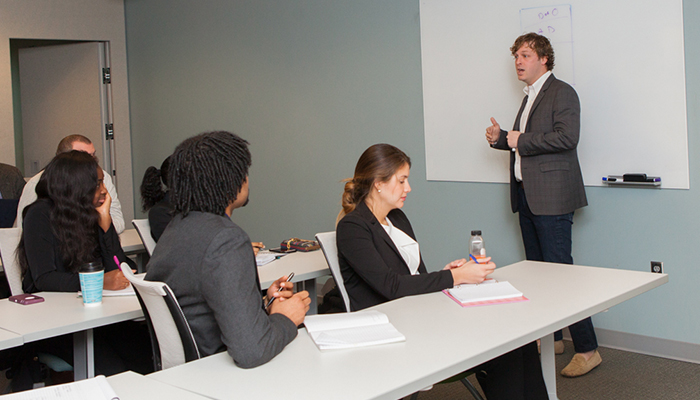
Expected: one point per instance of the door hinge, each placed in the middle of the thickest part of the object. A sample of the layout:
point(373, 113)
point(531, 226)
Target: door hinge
point(109, 131)
point(106, 76)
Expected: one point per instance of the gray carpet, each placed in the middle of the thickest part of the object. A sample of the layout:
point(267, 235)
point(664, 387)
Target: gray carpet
point(621, 376)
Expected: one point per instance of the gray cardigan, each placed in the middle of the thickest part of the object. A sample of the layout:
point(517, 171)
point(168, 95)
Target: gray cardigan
point(208, 262)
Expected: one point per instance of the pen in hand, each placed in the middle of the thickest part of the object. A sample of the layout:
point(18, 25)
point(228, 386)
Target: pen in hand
point(289, 279)
point(474, 259)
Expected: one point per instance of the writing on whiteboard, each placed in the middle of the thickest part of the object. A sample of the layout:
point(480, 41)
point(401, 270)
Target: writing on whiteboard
point(555, 23)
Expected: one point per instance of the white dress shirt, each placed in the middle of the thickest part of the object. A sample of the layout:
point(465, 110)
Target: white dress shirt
point(409, 248)
point(531, 91)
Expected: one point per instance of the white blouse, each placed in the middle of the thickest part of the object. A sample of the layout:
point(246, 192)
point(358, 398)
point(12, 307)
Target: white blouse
point(409, 249)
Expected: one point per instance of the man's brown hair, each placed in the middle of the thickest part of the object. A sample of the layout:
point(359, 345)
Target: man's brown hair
point(540, 44)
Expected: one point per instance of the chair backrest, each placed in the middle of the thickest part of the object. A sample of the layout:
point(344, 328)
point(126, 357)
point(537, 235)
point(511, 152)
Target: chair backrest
point(330, 251)
point(9, 240)
point(171, 337)
point(143, 227)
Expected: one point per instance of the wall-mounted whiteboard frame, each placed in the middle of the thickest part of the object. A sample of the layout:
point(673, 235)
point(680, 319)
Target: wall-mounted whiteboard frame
point(625, 59)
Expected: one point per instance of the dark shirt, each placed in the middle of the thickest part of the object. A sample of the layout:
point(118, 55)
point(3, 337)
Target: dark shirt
point(159, 216)
point(47, 271)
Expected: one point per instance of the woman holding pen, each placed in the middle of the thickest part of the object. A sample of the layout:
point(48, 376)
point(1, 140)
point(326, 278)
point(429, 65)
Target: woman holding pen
point(380, 261)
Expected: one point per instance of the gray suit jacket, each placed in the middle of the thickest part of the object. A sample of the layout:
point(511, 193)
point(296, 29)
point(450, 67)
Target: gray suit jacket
point(551, 172)
point(208, 262)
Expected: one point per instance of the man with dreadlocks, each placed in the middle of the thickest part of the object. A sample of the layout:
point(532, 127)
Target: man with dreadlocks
point(208, 261)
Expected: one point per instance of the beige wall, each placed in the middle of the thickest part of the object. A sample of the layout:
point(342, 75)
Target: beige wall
point(96, 20)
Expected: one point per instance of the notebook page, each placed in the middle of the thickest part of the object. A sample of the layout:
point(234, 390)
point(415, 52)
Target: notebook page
point(316, 323)
point(359, 336)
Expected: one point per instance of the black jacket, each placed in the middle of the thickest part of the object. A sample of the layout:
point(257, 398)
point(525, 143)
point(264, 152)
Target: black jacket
point(46, 270)
point(372, 267)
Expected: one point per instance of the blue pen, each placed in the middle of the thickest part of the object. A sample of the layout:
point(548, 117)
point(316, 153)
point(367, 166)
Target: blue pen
point(475, 260)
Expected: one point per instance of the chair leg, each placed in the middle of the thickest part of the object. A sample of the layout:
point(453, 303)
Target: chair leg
point(472, 389)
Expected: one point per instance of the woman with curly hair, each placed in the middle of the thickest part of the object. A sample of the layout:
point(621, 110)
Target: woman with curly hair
point(69, 225)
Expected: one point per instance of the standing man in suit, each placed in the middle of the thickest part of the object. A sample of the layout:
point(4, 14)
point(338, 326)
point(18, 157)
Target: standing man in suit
point(546, 184)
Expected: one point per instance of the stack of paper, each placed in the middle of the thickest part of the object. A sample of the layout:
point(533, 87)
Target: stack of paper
point(356, 329)
point(485, 293)
point(264, 258)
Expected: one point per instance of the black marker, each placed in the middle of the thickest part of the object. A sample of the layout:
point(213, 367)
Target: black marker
point(289, 279)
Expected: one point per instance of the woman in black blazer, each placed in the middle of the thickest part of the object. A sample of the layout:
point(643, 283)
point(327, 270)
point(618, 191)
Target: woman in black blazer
point(380, 261)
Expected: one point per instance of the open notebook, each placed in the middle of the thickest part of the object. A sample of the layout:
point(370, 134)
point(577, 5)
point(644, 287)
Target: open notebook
point(356, 329)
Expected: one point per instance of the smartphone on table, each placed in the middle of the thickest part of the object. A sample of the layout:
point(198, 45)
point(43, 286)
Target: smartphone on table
point(26, 299)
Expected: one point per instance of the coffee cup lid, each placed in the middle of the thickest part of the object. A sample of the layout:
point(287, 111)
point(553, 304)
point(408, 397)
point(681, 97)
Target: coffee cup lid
point(94, 266)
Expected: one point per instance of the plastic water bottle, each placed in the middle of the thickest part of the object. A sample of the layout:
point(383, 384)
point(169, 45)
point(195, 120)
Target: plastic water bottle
point(476, 245)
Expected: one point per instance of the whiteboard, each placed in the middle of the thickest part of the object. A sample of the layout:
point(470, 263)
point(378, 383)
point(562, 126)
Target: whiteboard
point(624, 58)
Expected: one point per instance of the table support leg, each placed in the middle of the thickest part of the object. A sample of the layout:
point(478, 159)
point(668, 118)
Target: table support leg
point(549, 367)
point(83, 355)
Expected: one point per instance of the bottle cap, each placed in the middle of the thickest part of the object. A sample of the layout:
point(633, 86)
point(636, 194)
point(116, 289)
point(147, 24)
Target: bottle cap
point(476, 233)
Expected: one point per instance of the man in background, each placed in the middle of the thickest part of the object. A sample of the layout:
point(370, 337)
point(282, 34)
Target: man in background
point(68, 143)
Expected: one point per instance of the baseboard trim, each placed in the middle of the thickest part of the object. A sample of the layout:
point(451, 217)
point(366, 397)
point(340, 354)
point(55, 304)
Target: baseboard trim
point(671, 349)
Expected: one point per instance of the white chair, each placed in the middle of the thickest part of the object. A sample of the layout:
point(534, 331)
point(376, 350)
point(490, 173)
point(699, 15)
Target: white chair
point(143, 227)
point(9, 240)
point(171, 338)
point(330, 251)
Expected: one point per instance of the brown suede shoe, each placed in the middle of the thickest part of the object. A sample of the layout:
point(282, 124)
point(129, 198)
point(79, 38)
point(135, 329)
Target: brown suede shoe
point(558, 347)
point(579, 366)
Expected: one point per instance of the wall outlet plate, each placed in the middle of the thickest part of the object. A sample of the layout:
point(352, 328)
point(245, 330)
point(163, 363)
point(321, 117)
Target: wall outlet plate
point(657, 267)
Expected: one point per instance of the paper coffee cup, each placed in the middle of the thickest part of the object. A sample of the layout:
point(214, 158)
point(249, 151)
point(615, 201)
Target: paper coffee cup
point(92, 277)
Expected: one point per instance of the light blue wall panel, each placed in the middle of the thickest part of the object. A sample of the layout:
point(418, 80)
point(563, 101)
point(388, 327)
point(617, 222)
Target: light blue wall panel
point(311, 84)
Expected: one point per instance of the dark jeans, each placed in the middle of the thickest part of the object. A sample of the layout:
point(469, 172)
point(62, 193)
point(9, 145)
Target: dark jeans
point(548, 238)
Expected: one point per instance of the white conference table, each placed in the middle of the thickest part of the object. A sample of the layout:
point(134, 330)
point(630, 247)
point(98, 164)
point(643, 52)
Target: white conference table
point(442, 339)
point(9, 339)
point(64, 313)
point(131, 242)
